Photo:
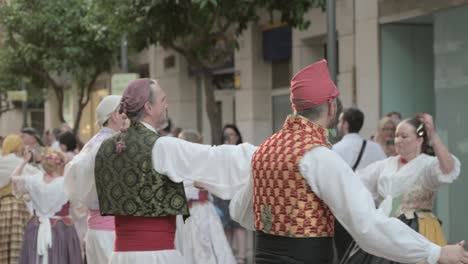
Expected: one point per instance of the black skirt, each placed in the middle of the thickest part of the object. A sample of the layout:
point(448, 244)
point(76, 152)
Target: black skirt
point(270, 249)
point(356, 255)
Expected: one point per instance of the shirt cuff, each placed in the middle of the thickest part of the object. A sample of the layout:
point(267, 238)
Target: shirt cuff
point(434, 254)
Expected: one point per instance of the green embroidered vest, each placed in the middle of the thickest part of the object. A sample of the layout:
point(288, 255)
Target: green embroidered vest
point(127, 183)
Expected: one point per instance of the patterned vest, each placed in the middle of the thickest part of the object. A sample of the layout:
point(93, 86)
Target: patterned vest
point(284, 203)
point(127, 183)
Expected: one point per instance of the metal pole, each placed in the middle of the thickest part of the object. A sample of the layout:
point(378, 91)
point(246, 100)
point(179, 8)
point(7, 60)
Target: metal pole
point(331, 38)
point(25, 106)
point(124, 53)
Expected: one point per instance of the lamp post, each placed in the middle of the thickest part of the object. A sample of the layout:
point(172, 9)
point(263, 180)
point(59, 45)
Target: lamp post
point(331, 38)
point(124, 53)
point(25, 105)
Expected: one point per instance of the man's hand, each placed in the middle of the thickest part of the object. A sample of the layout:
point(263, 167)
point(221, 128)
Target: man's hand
point(27, 156)
point(454, 254)
point(198, 185)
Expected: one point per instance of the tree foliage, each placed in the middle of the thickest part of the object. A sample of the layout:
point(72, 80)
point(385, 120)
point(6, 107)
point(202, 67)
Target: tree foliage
point(203, 31)
point(57, 43)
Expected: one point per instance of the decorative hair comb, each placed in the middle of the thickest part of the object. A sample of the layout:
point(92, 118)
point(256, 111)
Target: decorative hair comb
point(420, 130)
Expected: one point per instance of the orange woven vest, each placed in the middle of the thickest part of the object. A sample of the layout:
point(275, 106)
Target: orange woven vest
point(284, 203)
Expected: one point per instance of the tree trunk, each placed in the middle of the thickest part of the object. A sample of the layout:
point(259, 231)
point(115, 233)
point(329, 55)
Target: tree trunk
point(84, 97)
point(212, 107)
point(213, 110)
point(58, 90)
point(76, 126)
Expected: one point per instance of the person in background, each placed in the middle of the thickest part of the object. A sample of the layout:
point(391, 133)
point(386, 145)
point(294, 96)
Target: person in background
point(176, 131)
point(50, 139)
point(234, 232)
point(68, 144)
point(385, 135)
point(55, 145)
point(14, 213)
point(353, 148)
point(33, 143)
point(357, 153)
point(47, 138)
point(201, 238)
point(64, 127)
point(395, 116)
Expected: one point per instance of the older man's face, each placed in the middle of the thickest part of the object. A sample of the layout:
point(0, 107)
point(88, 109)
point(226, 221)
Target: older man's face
point(159, 108)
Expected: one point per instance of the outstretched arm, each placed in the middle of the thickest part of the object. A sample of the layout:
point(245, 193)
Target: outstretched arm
point(79, 182)
point(221, 170)
point(444, 168)
point(446, 161)
point(352, 204)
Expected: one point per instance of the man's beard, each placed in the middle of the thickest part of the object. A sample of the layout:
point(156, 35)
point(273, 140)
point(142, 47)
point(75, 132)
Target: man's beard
point(163, 121)
point(333, 123)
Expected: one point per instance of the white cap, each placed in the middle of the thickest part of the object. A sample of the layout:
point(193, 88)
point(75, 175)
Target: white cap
point(106, 107)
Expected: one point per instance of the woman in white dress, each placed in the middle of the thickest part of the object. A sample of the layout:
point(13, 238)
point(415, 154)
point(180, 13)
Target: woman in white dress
point(201, 238)
point(405, 186)
point(50, 236)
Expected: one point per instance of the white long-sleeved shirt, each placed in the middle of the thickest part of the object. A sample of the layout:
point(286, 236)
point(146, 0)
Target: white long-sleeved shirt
point(418, 181)
point(350, 146)
point(225, 171)
point(79, 183)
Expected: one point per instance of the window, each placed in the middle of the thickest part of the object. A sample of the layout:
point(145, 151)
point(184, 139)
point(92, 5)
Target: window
point(143, 70)
point(281, 73)
point(169, 62)
point(224, 81)
point(281, 109)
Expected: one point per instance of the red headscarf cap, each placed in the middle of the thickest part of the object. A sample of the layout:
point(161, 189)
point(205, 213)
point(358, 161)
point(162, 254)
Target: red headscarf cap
point(312, 86)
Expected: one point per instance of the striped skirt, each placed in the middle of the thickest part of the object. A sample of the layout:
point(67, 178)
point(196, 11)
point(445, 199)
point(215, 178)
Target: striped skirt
point(13, 218)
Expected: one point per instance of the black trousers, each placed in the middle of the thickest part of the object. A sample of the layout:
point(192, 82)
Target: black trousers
point(356, 255)
point(270, 249)
point(342, 240)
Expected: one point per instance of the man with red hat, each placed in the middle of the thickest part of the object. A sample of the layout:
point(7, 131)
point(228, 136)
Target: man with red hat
point(291, 189)
point(144, 203)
